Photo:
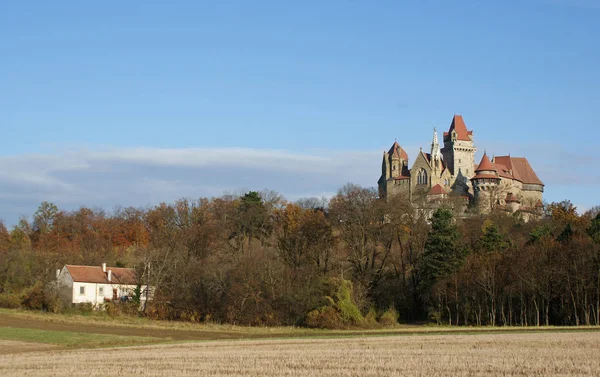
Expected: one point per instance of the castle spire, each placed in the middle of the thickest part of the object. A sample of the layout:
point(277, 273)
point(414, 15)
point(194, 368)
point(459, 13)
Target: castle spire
point(435, 147)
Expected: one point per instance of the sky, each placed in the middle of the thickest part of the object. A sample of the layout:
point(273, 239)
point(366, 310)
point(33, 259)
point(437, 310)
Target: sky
point(106, 104)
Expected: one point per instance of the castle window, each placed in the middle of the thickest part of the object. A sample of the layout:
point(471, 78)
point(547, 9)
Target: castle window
point(422, 177)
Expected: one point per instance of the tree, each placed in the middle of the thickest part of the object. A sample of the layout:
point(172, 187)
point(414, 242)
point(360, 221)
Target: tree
point(303, 237)
point(253, 220)
point(442, 255)
point(492, 240)
point(563, 213)
point(410, 230)
point(44, 217)
point(359, 216)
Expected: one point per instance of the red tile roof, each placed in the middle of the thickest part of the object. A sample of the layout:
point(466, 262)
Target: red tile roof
point(491, 176)
point(437, 190)
point(503, 171)
point(396, 150)
point(521, 170)
point(94, 274)
point(458, 124)
point(485, 164)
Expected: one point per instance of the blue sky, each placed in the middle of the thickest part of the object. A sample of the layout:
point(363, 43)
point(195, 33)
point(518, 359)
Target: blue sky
point(131, 103)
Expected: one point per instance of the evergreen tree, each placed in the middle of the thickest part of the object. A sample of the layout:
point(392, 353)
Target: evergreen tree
point(492, 240)
point(442, 255)
point(594, 229)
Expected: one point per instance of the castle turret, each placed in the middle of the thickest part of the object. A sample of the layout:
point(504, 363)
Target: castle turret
point(459, 154)
point(395, 176)
point(399, 159)
point(486, 183)
point(512, 202)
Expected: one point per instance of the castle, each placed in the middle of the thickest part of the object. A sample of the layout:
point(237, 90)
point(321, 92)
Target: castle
point(449, 172)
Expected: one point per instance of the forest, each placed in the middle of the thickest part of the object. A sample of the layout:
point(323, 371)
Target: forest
point(353, 260)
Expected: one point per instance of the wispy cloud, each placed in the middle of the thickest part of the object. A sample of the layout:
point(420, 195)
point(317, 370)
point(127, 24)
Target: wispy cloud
point(140, 176)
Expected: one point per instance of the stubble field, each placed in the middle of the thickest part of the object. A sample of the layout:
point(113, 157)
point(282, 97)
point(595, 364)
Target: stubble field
point(535, 354)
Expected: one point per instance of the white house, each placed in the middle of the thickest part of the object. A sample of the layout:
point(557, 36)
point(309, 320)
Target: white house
point(95, 284)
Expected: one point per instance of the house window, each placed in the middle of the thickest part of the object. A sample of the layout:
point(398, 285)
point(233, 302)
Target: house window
point(101, 291)
point(82, 290)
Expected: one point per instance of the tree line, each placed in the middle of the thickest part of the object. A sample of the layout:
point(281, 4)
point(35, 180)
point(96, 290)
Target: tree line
point(353, 260)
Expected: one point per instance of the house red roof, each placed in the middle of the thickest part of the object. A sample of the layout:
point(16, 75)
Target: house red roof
point(458, 125)
point(94, 274)
point(396, 150)
point(437, 190)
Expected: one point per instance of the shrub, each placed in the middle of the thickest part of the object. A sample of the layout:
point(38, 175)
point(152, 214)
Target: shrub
point(33, 298)
point(112, 309)
point(54, 304)
point(338, 309)
point(389, 318)
point(55, 299)
point(84, 307)
point(324, 318)
point(370, 319)
point(10, 300)
point(159, 310)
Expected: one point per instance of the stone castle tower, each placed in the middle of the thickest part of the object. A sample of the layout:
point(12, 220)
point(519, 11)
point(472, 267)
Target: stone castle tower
point(459, 154)
point(505, 182)
point(486, 183)
point(395, 176)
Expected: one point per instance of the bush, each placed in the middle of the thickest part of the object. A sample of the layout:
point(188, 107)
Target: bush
point(324, 318)
point(84, 307)
point(338, 309)
point(159, 310)
point(33, 298)
point(389, 318)
point(54, 304)
point(10, 300)
point(112, 309)
point(370, 319)
point(55, 300)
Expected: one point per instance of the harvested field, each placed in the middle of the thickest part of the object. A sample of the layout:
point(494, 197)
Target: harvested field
point(13, 346)
point(535, 354)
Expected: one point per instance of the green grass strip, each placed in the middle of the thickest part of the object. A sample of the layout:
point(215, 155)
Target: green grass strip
point(73, 339)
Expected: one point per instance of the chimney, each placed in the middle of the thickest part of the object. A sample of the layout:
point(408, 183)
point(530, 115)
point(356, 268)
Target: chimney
point(109, 275)
point(103, 267)
point(57, 274)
